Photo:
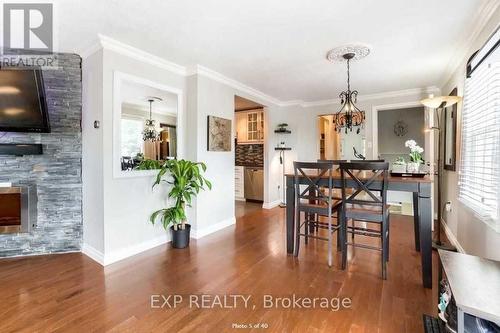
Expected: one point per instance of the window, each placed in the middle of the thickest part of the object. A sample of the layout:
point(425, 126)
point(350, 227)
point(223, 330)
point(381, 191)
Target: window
point(131, 139)
point(479, 177)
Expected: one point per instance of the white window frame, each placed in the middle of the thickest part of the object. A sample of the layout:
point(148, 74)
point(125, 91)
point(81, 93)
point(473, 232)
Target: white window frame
point(474, 126)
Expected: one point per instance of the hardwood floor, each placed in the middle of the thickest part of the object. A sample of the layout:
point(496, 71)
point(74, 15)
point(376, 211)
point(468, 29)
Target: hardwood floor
point(72, 293)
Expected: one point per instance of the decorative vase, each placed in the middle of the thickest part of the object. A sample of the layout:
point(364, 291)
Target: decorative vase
point(413, 167)
point(399, 168)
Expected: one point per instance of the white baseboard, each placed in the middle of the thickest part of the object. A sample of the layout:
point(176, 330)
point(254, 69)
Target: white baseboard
point(135, 249)
point(93, 254)
point(239, 199)
point(451, 237)
point(272, 204)
point(199, 233)
point(115, 256)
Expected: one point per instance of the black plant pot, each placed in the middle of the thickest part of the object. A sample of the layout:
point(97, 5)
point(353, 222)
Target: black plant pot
point(180, 237)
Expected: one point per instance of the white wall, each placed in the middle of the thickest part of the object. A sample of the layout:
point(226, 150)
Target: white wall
point(124, 207)
point(92, 155)
point(474, 236)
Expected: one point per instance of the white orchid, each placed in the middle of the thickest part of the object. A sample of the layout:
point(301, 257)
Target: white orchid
point(410, 144)
point(415, 151)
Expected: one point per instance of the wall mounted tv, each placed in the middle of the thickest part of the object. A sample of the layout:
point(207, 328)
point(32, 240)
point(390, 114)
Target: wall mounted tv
point(23, 107)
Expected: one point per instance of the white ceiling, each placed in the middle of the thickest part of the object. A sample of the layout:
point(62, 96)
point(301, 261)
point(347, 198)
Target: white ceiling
point(279, 47)
point(137, 95)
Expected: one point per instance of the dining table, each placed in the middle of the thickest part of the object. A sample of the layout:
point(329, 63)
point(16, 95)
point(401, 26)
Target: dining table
point(420, 187)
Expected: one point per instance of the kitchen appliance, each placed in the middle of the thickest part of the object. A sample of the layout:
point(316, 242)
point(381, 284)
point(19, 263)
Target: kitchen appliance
point(254, 183)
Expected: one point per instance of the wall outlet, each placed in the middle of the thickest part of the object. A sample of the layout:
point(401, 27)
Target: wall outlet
point(447, 206)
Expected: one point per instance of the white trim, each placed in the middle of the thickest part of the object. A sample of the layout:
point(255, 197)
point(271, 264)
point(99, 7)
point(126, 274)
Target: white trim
point(271, 205)
point(200, 233)
point(93, 254)
point(464, 45)
point(118, 79)
point(451, 237)
point(382, 95)
point(132, 250)
point(104, 42)
point(216, 76)
point(107, 43)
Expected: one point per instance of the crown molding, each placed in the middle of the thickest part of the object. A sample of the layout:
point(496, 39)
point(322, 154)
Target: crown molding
point(104, 42)
point(369, 97)
point(481, 19)
point(216, 76)
point(108, 43)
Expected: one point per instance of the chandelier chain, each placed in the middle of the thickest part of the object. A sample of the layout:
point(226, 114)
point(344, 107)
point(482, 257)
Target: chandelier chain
point(348, 76)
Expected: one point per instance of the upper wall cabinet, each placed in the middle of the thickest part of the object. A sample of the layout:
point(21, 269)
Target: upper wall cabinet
point(250, 127)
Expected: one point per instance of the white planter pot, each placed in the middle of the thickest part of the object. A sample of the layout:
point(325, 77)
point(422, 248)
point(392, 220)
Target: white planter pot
point(400, 168)
point(413, 167)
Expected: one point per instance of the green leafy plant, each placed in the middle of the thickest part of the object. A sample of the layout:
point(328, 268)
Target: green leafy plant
point(187, 181)
point(399, 161)
point(149, 165)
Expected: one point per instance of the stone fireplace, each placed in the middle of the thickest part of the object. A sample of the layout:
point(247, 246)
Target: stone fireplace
point(52, 181)
point(17, 209)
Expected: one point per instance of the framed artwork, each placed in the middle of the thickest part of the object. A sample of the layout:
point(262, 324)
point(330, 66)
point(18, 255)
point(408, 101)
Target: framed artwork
point(219, 134)
point(450, 135)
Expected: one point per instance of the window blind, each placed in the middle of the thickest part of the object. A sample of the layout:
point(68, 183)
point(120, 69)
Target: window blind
point(479, 178)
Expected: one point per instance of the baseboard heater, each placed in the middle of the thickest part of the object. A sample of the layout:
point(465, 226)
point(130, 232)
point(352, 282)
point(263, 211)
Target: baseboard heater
point(21, 149)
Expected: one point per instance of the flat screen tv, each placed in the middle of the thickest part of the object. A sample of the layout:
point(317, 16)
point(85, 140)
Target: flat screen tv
point(23, 107)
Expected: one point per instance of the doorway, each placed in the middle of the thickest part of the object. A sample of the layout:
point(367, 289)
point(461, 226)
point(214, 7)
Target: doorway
point(393, 125)
point(339, 145)
point(250, 154)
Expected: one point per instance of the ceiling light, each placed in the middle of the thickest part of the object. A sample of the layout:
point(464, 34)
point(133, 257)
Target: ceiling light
point(9, 90)
point(349, 115)
point(13, 111)
point(150, 133)
point(440, 101)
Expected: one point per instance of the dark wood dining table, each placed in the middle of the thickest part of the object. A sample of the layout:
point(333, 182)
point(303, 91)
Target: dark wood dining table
point(422, 211)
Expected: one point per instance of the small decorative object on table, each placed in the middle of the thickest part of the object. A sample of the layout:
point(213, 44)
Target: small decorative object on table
point(399, 165)
point(415, 156)
point(282, 128)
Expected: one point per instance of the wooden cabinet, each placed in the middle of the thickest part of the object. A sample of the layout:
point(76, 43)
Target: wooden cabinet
point(250, 126)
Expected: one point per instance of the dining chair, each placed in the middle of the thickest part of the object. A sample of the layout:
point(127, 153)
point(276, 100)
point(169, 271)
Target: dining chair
point(367, 203)
point(314, 201)
point(335, 193)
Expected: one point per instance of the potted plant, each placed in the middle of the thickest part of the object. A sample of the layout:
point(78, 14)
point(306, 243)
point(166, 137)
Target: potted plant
point(415, 156)
point(399, 165)
point(187, 181)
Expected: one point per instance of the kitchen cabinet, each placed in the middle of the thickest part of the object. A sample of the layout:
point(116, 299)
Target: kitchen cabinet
point(250, 127)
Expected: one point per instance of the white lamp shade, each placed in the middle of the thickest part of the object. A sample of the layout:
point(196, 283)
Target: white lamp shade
point(435, 102)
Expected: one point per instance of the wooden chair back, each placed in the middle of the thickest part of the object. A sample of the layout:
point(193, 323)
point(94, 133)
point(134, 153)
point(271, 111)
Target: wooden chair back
point(313, 172)
point(376, 181)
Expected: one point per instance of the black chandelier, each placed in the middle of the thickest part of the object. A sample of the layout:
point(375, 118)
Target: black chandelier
point(150, 133)
point(349, 115)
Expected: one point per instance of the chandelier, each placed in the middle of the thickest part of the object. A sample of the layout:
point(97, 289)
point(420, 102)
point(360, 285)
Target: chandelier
point(349, 115)
point(150, 133)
